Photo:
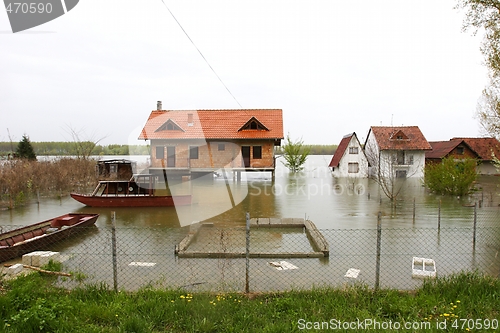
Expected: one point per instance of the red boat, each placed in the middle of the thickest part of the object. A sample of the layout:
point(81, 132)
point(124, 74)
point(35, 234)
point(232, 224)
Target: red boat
point(120, 193)
point(40, 236)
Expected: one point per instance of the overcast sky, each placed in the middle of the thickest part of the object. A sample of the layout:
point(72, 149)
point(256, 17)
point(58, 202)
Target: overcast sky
point(334, 67)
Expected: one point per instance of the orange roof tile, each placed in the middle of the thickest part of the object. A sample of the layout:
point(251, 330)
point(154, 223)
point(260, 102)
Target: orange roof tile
point(440, 149)
point(400, 138)
point(213, 124)
point(484, 147)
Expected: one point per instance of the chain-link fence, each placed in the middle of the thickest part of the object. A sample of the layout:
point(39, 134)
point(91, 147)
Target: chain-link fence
point(278, 258)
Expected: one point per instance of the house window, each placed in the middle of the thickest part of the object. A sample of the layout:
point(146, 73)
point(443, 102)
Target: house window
point(193, 152)
point(410, 159)
point(160, 152)
point(460, 150)
point(221, 147)
point(257, 152)
point(353, 167)
point(353, 150)
point(400, 173)
point(113, 168)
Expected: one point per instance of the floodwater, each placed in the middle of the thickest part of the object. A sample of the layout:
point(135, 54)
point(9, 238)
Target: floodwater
point(345, 211)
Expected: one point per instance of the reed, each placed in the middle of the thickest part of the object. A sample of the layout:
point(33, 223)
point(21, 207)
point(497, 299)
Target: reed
point(22, 180)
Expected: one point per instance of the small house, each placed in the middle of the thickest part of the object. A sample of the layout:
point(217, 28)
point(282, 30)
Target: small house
point(457, 149)
point(188, 142)
point(396, 151)
point(349, 159)
point(486, 149)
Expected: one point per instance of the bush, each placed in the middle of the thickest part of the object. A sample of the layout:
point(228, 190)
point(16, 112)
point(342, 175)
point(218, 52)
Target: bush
point(295, 154)
point(451, 177)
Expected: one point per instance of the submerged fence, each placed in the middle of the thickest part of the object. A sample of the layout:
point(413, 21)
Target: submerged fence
point(131, 258)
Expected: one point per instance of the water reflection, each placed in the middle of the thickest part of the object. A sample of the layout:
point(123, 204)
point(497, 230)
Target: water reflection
point(329, 202)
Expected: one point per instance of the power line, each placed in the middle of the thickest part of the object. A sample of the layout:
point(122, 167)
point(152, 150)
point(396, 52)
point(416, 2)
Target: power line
point(206, 61)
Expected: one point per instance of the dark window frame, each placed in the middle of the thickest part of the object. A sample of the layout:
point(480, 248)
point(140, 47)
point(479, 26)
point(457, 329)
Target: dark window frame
point(161, 155)
point(194, 153)
point(257, 152)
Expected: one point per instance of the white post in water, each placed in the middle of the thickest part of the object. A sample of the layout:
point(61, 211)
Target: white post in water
point(247, 254)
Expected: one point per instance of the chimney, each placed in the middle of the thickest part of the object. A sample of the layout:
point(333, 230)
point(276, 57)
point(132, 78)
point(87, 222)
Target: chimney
point(190, 119)
point(158, 105)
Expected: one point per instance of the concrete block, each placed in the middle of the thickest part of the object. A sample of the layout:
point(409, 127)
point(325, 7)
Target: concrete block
point(40, 258)
point(46, 257)
point(15, 269)
point(31, 258)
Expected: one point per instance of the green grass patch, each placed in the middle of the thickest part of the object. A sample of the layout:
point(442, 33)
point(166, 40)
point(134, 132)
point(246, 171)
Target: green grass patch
point(33, 304)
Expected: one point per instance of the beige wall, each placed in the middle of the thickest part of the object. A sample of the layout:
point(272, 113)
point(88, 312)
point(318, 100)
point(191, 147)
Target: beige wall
point(209, 155)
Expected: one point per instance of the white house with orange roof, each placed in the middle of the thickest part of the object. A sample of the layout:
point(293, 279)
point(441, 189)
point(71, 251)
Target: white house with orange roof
point(202, 141)
point(396, 151)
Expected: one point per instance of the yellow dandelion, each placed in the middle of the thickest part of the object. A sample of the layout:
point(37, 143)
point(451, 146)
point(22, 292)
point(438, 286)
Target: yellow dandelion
point(446, 315)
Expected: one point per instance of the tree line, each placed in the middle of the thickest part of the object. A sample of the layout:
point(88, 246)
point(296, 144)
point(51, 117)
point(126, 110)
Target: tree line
point(71, 149)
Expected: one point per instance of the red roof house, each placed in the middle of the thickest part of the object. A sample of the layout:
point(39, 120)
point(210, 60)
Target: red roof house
point(202, 141)
point(486, 149)
point(398, 150)
point(349, 159)
point(454, 148)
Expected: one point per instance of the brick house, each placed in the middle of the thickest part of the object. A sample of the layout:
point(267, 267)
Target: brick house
point(396, 151)
point(457, 149)
point(188, 142)
point(485, 148)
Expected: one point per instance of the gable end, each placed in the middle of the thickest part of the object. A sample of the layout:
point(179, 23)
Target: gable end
point(254, 125)
point(169, 125)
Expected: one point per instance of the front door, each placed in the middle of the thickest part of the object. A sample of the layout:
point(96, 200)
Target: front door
point(245, 153)
point(170, 156)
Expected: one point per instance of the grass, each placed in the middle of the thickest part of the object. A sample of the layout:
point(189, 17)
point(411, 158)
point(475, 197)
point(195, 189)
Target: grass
point(33, 304)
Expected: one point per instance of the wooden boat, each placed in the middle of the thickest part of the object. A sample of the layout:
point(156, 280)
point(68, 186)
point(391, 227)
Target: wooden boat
point(139, 191)
point(40, 235)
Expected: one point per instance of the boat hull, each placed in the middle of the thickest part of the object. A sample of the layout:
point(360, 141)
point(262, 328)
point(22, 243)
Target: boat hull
point(40, 236)
point(132, 200)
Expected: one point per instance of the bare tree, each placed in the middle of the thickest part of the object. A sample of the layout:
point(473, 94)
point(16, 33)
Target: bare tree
point(84, 145)
point(390, 169)
point(484, 15)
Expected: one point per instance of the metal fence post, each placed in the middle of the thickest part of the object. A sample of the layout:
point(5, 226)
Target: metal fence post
point(414, 211)
point(247, 254)
point(475, 223)
point(439, 215)
point(377, 265)
point(113, 249)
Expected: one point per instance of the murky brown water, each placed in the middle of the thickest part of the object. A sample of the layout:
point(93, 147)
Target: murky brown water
point(335, 206)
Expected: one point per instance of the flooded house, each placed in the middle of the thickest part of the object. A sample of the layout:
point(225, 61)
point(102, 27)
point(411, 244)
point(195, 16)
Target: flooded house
point(396, 151)
point(198, 142)
point(349, 159)
point(457, 149)
point(484, 150)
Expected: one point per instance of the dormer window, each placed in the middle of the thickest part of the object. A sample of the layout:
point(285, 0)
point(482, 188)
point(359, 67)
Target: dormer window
point(399, 136)
point(254, 125)
point(169, 125)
